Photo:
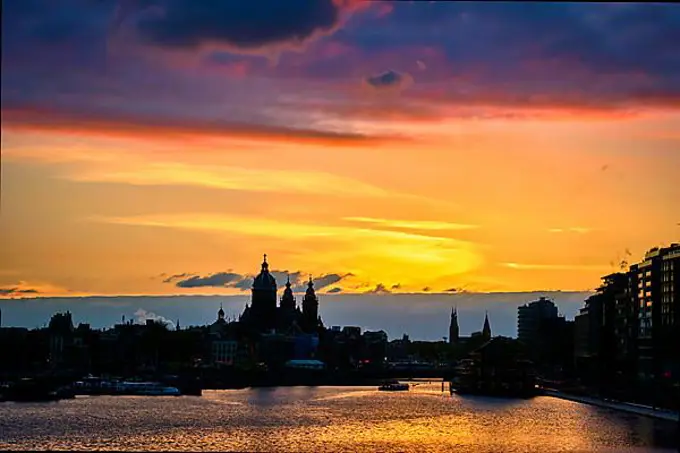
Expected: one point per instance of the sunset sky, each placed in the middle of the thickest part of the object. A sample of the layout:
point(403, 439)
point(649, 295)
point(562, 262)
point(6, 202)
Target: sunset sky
point(163, 146)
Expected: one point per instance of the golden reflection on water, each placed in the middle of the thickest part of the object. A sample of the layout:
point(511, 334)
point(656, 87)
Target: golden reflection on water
point(325, 419)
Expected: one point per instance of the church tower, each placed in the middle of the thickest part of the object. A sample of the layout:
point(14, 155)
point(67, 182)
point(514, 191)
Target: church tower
point(310, 308)
point(486, 330)
point(263, 308)
point(288, 299)
point(453, 327)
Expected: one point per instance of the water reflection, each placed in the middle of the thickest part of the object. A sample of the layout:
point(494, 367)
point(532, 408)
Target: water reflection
point(328, 419)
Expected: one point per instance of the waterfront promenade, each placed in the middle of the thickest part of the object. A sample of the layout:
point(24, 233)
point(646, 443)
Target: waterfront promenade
point(638, 409)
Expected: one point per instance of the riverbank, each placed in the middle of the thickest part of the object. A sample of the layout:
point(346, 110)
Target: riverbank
point(631, 408)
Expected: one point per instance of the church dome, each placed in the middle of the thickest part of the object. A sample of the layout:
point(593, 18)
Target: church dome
point(264, 280)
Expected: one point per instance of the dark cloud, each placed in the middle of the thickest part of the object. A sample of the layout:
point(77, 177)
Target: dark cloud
point(175, 277)
point(334, 290)
point(238, 24)
point(388, 80)
point(298, 280)
point(427, 289)
point(219, 280)
point(379, 289)
point(327, 280)
point(15, 291)
point(452, 290)
point(513, 55)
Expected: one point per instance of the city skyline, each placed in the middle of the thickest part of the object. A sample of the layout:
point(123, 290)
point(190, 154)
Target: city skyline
point(143, 161)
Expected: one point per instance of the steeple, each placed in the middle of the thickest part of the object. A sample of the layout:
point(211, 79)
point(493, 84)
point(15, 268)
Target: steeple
point(220, 313)
point(288, 299)
point(453, 326)
point(310, 308)
point(486, 330)
point(263, 301)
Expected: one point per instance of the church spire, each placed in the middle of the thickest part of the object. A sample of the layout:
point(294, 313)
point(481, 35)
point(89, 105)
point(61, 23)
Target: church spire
point(288, 299)
point(486, 330)
point(265, 264)
point(453, 326)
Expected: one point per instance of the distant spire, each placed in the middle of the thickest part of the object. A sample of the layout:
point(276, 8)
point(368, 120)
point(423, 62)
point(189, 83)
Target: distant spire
point(486, 330)
point(265, 265)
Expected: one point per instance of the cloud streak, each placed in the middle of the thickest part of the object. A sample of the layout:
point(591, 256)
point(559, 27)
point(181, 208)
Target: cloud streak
point(244, 282)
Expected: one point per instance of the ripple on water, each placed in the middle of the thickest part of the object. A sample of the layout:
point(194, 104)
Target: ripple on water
point(323, 419)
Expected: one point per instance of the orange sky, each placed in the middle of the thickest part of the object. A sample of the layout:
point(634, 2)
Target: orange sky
point(402, 162)
point(482, 206)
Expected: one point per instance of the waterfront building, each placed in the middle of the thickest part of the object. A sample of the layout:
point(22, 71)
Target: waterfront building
point(658, 305)
point(530, 318)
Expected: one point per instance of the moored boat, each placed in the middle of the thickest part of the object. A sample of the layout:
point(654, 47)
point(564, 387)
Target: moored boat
point(393, 386)
point(146, 389)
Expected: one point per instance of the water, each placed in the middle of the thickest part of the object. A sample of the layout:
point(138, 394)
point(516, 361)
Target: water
point(317, 419)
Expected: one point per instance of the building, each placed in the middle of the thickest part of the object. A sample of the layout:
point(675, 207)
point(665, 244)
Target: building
point(530, 318)
point(658, 309)
point(548, 337)
point(454, 330)
point(264, 316)
point(475, 339)
point(224, 352)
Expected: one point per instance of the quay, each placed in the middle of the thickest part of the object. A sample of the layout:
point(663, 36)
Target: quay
point(638, 409)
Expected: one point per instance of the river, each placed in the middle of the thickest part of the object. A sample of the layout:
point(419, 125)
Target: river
point(317, 419)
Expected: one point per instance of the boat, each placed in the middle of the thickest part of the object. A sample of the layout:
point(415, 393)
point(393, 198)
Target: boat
point(145, 389)
point(393, 386)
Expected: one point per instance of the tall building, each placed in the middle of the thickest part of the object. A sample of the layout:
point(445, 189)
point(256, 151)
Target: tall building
point(454, 331)
point(658, 308)
point(530, 318)
point(548, 337)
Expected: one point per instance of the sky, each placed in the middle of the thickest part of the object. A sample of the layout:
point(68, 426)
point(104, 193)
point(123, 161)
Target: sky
point(161, 147)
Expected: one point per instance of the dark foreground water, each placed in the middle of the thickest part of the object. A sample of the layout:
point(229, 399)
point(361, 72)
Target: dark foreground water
point(328, 419)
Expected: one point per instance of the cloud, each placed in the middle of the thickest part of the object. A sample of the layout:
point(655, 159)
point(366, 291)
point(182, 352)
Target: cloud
point(143, 315)
point(173, 278)
point(421, 65)
point(379, 289)
point(334, 290)
point(389, 80)
point(117, 124)
point(15, 291)
point(221, 279)
point(395, 286)
point(452, 290)
point(237, 25)
point(244, 282)
point(412, 224)
point(579, 230)
point(24, 289)
point(556, 267)
point(427, 289)
point(383, 255)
